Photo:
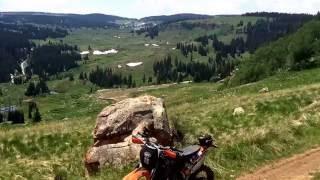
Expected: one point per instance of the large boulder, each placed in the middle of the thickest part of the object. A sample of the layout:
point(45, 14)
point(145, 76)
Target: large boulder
point(115, 125)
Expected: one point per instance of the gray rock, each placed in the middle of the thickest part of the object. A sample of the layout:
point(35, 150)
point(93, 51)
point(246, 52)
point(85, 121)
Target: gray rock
point(115, 125)
point(264, 90)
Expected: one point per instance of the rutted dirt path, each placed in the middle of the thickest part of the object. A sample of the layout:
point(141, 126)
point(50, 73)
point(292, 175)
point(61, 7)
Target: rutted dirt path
point(121, 94)
point(297, 167)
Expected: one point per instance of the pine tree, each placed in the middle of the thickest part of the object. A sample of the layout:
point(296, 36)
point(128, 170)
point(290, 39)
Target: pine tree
point(71, 78)
point(37, 91)
point(31, 106)
point(1, 118)
point(144, 78)
point(130, 81)
point(30, 112)
point(31, 90)
point(81, 76)
point(1, 93)
point(37, 116)
point(176, 62)
point(150, 80)
point(180, 78)
point(44, 86)
point(125, 80)
point(16, 117)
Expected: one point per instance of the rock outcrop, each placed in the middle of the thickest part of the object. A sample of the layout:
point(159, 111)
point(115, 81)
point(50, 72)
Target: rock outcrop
point(264, 90)
point(115, 126)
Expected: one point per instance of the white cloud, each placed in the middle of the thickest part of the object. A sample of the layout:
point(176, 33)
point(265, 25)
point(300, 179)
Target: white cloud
point(156, 7)
point(141, 8)
point(214, 7)
point(291, 6)
point(58, 6)
point(32, 5)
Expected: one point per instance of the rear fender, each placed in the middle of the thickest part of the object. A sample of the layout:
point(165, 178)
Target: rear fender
point(138, 174)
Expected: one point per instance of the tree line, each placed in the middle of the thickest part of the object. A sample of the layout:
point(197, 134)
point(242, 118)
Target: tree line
point(276, 56)
point(108, 79)
point(16, 116)
point(263, 31)
point(53, 58)
point(274, 25)
point(168, 70)
point(40, 87)
point(149, 31)
point(235, 48)
point(65, 20)
point(15, 47)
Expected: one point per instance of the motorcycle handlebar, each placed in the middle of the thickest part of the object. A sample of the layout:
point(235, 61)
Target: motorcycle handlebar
point(146, 139)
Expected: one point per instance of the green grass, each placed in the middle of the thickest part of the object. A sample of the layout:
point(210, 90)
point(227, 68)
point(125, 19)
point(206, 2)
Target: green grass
point(267, 131)
point(73, 100)
point(316, 176)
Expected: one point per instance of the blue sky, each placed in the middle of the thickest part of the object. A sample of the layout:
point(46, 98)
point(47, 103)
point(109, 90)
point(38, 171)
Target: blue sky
point(142, 8)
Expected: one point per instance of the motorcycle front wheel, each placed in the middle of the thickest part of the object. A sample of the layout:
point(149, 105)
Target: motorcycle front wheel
point(204, 173)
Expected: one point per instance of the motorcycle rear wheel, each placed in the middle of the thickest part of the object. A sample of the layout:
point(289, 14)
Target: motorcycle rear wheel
point(204, 173)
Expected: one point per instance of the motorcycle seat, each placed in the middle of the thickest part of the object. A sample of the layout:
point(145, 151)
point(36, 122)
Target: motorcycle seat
point(190, 150)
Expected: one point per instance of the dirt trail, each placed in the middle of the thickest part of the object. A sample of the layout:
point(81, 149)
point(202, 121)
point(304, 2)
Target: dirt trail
point(298, 167)
point(120, 94)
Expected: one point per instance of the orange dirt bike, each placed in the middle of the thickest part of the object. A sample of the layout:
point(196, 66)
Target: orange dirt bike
point(167, 163)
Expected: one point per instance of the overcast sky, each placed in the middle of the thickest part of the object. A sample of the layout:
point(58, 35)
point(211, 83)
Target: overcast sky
point(142, 8)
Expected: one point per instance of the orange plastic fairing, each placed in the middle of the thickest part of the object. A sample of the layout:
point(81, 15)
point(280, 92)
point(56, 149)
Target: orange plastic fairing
point(138, 174)
point(169, 153)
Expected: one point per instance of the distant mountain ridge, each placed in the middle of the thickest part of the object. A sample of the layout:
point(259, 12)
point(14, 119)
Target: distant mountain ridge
point(27, 13)
point(65, 20)
point(88, 20)
point(176, 17)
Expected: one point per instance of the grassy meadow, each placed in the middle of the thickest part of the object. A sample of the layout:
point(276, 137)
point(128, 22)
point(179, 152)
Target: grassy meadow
point(275, 124)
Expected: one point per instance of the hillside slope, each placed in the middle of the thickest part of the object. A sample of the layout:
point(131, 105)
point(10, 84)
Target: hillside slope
point(276, 124)
point(298, 51)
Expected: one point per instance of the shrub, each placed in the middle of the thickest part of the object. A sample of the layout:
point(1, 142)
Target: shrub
point(16, 117)
point(1, 118)
point(30, 90)
point(37, 116)
point(40, 88)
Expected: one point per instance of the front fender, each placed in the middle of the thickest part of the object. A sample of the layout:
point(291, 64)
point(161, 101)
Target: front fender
point(138, 174)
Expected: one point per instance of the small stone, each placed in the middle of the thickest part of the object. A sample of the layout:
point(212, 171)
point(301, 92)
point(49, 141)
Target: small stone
point(238, 111)
point(264, 90)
